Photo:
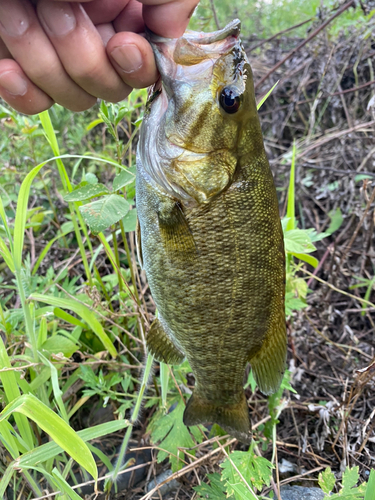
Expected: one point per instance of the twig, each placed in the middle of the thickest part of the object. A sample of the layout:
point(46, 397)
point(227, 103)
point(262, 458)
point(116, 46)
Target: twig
point(342, 9)
point(324, 140)
point(281, 33)
point(215, 14)
point(369, 203)
point(364, 301)
point(191, 466)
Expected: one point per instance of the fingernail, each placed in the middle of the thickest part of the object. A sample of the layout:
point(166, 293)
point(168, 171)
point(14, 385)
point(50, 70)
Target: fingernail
point(58, 18)
point(14, 19)
point(13, 83)
point(128, 57)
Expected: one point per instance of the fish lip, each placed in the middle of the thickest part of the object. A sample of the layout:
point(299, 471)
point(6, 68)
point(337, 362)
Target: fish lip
point(231, 29)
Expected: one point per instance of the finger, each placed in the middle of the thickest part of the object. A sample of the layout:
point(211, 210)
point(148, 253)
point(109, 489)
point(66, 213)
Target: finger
point(130, 18)
point(30, 47)
point(4, 52)
point(106, 32)
point(168, 18)
point(133, 59)
point(104, 11)
point(18, 91)
point(81, 50)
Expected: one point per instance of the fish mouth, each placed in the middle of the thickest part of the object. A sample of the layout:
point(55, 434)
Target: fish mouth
point(231, 29)
point(192, 48)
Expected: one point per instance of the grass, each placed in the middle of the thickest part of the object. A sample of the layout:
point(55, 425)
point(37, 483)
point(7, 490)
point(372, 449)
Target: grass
point(75, 309)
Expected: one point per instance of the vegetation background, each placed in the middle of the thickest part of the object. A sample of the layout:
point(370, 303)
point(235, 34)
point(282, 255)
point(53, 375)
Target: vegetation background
point(75, 307)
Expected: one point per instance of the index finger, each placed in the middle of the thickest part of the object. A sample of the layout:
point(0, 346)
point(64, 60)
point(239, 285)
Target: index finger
point(168, 18)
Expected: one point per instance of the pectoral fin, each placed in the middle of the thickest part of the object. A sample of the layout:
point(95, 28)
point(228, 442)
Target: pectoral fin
point(269, 363)
point(161, 346)
point(175, 232)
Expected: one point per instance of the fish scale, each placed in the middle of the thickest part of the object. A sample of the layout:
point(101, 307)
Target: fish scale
point(213, 255)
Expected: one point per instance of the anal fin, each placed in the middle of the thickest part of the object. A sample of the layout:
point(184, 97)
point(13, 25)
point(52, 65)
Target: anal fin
point(233, 418)
point(269, 363)
point(161, 346)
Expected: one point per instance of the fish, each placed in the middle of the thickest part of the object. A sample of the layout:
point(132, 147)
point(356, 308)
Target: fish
point(208, 234)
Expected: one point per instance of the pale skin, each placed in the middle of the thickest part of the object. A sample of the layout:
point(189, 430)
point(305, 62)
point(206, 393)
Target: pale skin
point(73, 52)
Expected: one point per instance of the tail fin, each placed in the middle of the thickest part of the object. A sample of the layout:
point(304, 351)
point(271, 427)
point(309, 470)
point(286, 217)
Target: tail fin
point(234, 419)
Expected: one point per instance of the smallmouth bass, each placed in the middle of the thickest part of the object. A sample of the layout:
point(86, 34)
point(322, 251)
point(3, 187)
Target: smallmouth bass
point(209, 233)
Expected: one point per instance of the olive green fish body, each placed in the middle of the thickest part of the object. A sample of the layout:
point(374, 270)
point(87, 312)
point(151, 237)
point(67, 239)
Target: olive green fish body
point(212, 247)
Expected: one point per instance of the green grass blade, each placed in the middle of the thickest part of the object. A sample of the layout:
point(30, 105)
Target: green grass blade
point(20, 221)
point(56, 388)
point(63, 485)
point(5, 222)
point(5, 480)
point(54, 426)
point(12, 392)
point(290, 212)
point(51, 450)
point(264, 98)
point(8, 440)
point(45, 120)
point(306, 258)
point(6, 255)
point(164, 378)
point(85, 313)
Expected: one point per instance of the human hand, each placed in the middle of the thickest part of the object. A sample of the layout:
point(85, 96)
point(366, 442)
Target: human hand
point(73, 52)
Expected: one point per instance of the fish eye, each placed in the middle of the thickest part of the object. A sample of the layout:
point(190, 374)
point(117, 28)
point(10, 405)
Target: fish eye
point(230, 100)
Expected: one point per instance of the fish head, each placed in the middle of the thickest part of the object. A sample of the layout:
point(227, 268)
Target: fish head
point(202, 116)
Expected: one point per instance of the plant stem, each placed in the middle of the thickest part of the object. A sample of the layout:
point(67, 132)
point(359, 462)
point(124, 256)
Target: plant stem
point(133, 419)
point(117, 257)
point(28, 319)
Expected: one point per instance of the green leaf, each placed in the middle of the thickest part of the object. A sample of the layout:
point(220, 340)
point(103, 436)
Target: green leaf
point(349, 479)
point(59, 343)
point(255, 470)
point(130, 220)
point(59, 313)
point(51, 450)
point(101, 214)
point(21, 212)
point(170, 430)
point(327, 480)
point(370, 490)
point(251, 382)
point(94, 123)
point(336, 220)
point(264, 98)
point(293, 303)
point(290, 211)
point(91, 178)
point(242, 493)
point(123, 179)
point(12, 393)
point(298, 241)
point(86, 192)
point(6, 255)
point(82, 311)
point(306, 258)
point(213, 491)
point(5, 480)
point(63, 485)
point(31, 407)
